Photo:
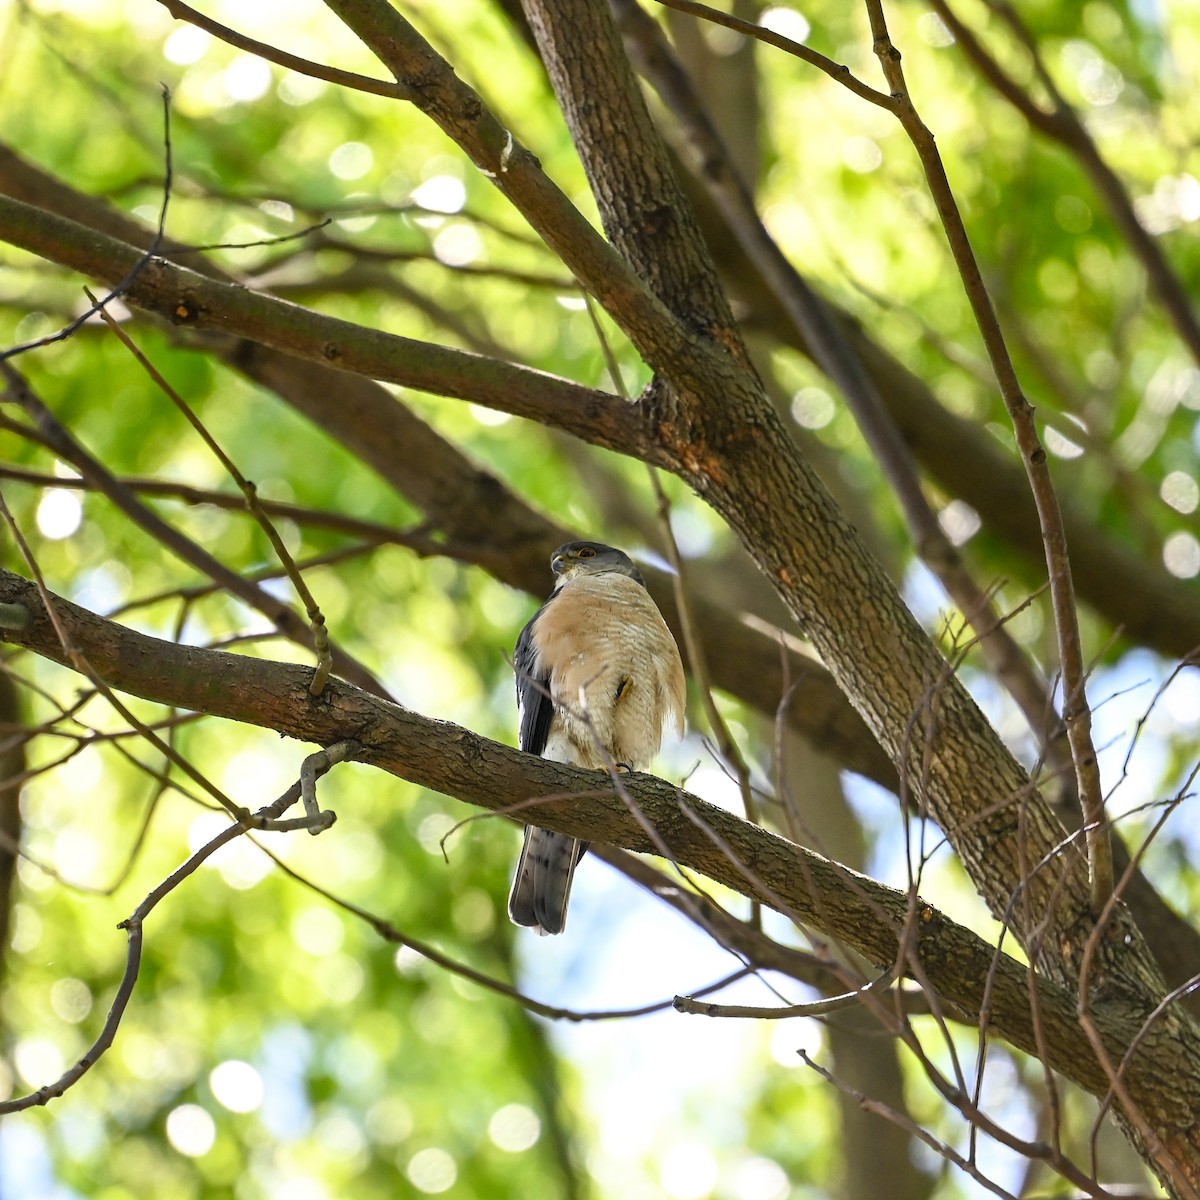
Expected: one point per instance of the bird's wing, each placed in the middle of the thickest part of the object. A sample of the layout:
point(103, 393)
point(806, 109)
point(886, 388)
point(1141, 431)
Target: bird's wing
point(542, 884)
point(534, 705)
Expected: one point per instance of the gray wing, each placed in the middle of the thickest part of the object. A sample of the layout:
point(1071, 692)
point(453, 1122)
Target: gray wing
point(533, 691)
point(542, 882)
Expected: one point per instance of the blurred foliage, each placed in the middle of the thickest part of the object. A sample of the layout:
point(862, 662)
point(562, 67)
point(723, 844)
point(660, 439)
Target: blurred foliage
point(275, 1045)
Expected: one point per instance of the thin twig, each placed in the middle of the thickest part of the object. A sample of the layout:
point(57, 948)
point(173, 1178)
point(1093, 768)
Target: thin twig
point(314, 766)
point(266, 818)
point(696, 658)
point(905, 1122)
point(656, 839)
point(81, 664)
point(816, 1008)
point(188, 493)
point(835, 70)
point(53, 434)
point(147, 255)
point(397, 937)
point(302, 66)
point(1076, 713)
point(1160, 1151)
point(316, 619)
point(281, 239)
point(198, 591)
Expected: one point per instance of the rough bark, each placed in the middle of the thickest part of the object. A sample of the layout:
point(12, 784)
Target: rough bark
point(866, 916)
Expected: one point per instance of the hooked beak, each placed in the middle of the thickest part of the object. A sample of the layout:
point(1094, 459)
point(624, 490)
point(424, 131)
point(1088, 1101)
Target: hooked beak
point(558, 564)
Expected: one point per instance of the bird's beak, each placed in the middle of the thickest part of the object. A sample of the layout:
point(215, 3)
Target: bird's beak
point(558, 564)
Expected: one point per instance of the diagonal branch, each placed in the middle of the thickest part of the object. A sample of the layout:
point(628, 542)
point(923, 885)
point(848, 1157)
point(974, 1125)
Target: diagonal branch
point(1076, 713)
point(187, 298)
point(1062, 124)
point(436, 754)
point(292, 62)
point(462, 115)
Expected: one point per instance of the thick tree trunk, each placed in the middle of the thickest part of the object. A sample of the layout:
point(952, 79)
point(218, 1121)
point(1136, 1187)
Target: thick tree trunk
point(712, 420)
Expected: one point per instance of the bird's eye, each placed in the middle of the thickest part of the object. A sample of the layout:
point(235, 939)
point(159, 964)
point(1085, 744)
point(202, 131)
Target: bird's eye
point(586, 552)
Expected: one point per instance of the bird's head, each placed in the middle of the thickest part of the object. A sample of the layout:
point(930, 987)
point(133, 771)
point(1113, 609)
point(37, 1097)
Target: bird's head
point(591, 558)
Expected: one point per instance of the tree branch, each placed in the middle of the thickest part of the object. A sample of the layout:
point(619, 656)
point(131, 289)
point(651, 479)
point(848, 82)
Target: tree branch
point(1076, 712)
point(840, 903)
point(303, 66)
point(461, 114)
point(484, 522)
point(187, 298)
point(1062, 124)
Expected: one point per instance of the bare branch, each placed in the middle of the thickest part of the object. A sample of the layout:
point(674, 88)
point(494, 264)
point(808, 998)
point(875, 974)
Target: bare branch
point(836, 71)
point(449, 759)
point(122, 285)
point(303, 66)
point(815, 1008)
point(185, 297)
point(1076, 713)
point(133, 929)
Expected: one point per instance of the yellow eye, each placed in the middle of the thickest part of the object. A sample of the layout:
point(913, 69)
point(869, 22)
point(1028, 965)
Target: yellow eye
point(586, 552)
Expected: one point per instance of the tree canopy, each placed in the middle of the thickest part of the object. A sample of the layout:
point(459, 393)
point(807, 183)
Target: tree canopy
point(868, 330)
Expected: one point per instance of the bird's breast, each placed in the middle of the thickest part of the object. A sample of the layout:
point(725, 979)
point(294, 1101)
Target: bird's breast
point(614, 668)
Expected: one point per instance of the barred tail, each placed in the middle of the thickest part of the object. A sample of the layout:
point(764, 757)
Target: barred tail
point(542, 885)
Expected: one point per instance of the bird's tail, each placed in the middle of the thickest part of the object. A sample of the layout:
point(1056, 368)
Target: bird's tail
point(542, 885)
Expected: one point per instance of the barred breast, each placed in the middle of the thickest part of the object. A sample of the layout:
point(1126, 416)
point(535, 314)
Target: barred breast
point(615, 672)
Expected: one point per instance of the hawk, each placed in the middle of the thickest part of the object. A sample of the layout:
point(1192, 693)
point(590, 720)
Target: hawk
point(598, 679)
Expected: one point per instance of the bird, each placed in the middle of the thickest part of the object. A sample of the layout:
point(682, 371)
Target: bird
point(599, 679)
